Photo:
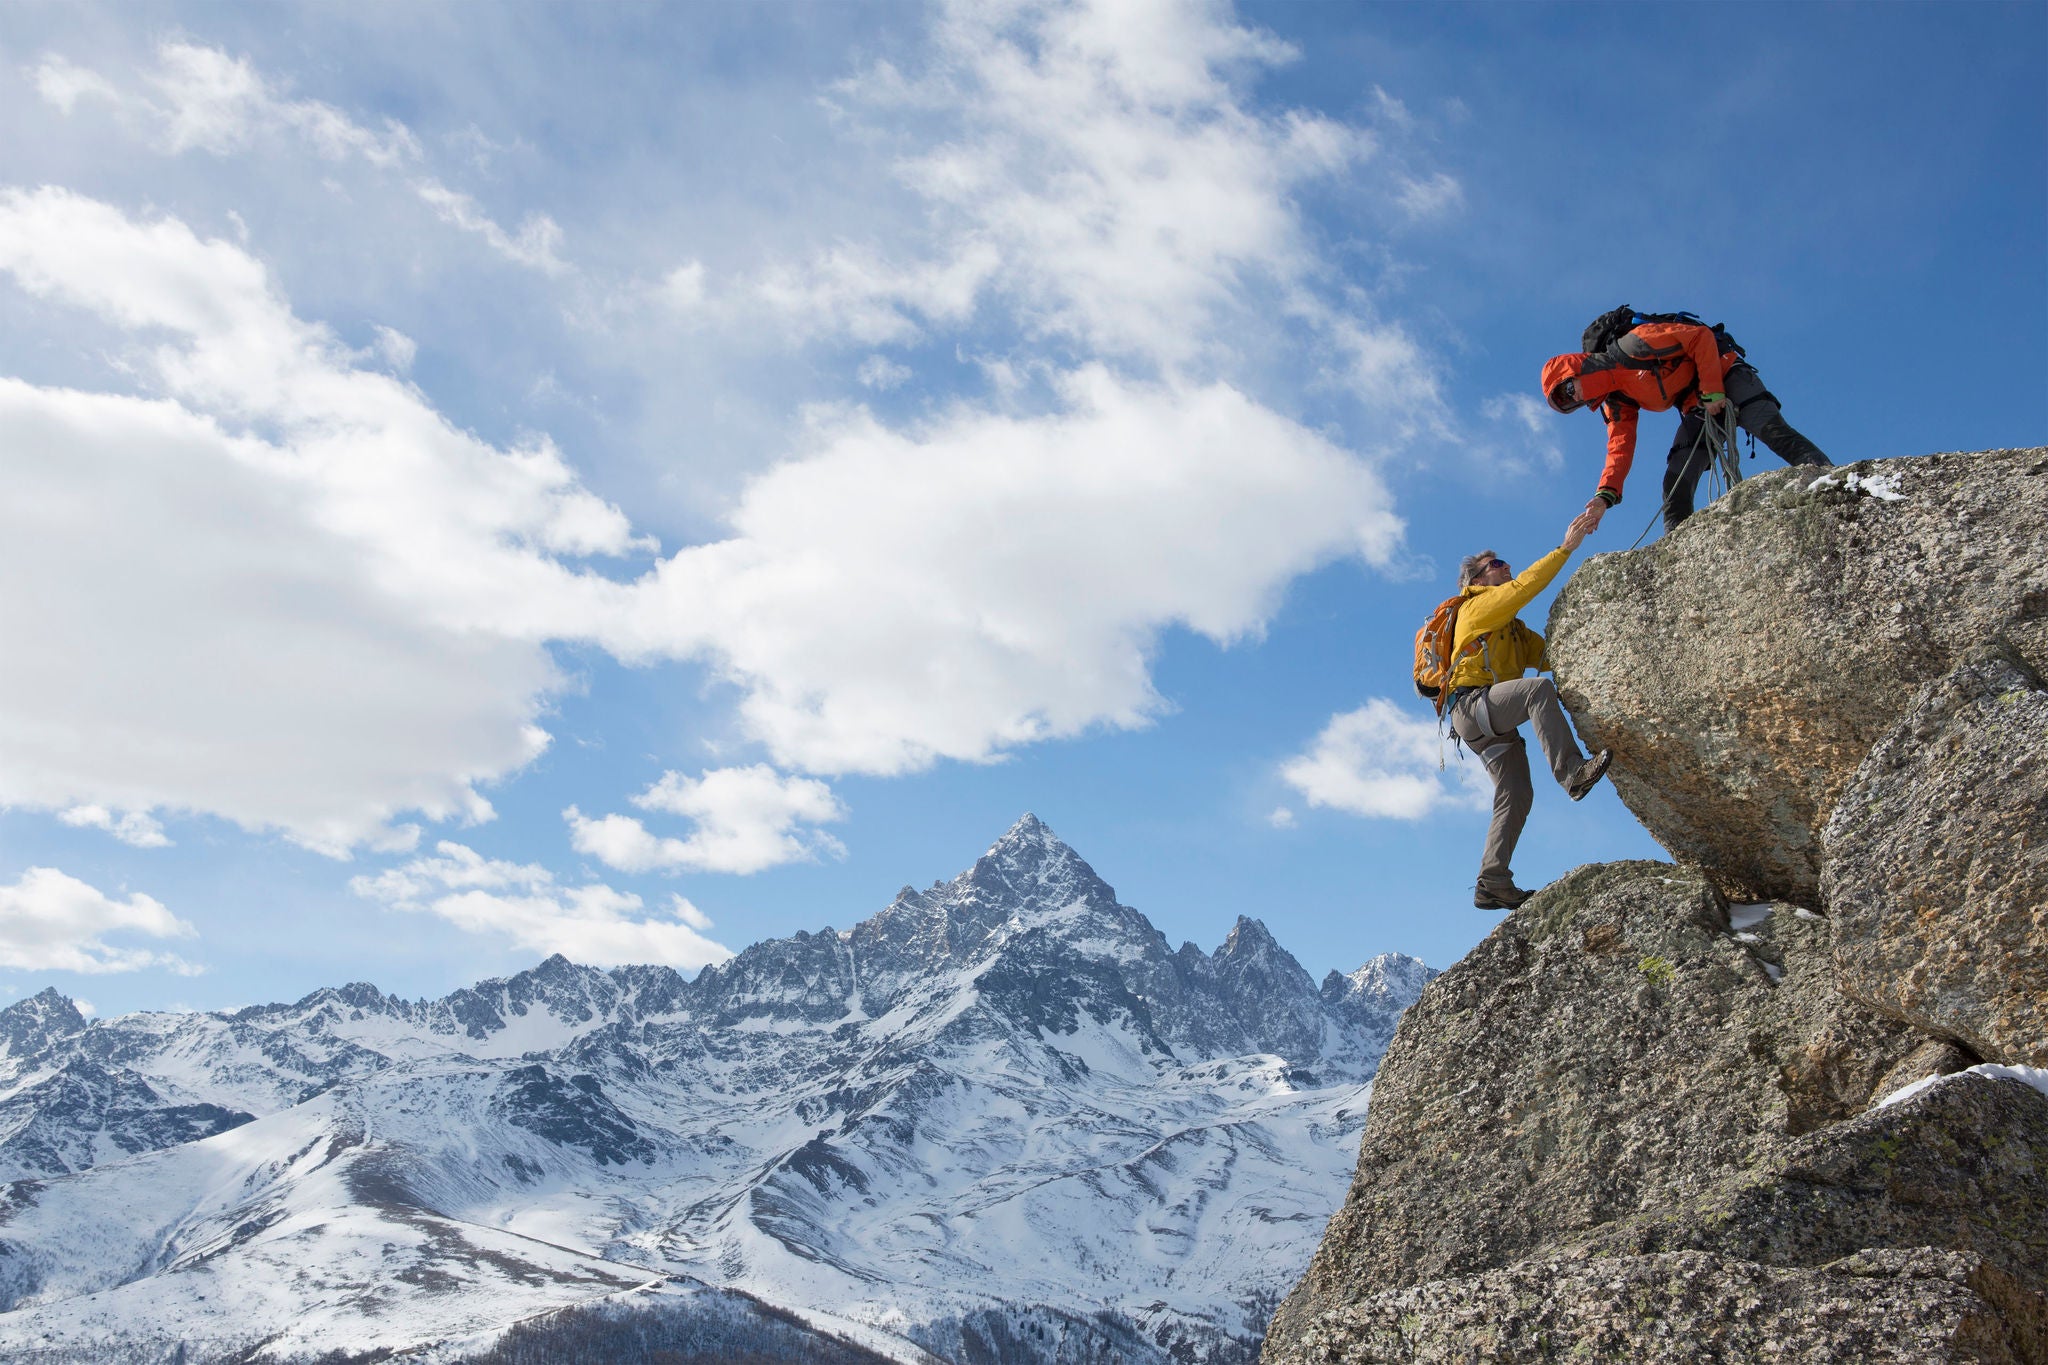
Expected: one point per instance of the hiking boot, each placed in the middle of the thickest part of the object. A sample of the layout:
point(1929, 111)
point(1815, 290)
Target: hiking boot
point(1499, 897)
point(1589, 774)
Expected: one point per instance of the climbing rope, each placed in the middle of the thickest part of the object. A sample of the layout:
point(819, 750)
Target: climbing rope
point(1724, 467)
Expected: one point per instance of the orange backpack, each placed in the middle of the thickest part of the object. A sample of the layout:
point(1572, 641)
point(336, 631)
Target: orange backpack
point(1433, 661)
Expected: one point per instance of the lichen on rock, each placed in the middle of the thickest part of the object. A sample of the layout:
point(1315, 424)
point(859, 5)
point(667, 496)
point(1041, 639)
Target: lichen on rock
point(1681, 1308)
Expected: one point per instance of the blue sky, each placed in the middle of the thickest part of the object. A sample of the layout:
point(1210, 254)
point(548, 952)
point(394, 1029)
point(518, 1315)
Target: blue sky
point(636, 480)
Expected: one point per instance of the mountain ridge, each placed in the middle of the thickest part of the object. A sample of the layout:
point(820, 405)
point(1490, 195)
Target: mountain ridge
point(884, 1123)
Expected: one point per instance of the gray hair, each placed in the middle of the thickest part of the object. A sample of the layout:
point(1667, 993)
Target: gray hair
point(1468, 568)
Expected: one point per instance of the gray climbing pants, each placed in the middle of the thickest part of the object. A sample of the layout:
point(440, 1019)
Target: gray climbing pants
point(1487, 720)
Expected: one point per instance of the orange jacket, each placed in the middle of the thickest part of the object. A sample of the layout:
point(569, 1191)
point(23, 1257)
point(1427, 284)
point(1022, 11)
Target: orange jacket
point(1657, 366)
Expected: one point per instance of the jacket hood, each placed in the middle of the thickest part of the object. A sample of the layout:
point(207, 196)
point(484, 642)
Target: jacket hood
point(1556, 370)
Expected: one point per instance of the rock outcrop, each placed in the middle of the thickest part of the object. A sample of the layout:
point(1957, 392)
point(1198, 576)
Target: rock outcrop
point(1612, 1047)
point(1683, 1308)
point(1743, 667)
point(1936, 864)
point(1670, 1113)
point(1641, 1129)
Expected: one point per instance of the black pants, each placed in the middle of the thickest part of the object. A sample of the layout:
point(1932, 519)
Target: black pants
point(1756, 412)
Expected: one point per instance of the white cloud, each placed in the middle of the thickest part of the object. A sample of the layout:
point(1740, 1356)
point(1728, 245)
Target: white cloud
point(893, 599)
point(1391, 110)
point(200, 98)
point(1392, 375)
point(1381, 761)
point(592, 924)
point(1281, 818)
point(1100, 170)
point(1096, 181)
point(537, 243)
point(288, 592)
point(52, 922)
point(747, 819)
point(396, 349)
point(683, 288)
point(130, 827)
point(1531, 413)
point(623, 842)
point(63, 84)
point(880, 372)
point(364, 593)
point(1432, 196)
point(1525, 435)
point(347, 602)
point(688, 913)
point(211, 97)
point(854, 291)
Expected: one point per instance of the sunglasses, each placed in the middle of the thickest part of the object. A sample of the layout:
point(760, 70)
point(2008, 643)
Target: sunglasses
point(1490, 565)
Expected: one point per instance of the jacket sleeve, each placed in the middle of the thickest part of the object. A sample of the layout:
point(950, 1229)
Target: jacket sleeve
point(1621, 445)
point(1495, 607)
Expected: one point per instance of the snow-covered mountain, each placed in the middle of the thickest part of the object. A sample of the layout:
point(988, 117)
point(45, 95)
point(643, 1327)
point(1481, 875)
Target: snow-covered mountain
point(1001, 1109)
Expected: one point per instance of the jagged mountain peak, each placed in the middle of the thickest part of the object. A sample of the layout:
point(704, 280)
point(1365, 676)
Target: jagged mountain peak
point(1035, 869)
point(1028, 829)
point(360, 995)
point(555, 971)
point(1250, 952)
point(568, 992)
point(1379, 990)
point(1389, 979)
point(47, 1003)
point(1247, 936)
point(32, 1023)
point(1027, 873)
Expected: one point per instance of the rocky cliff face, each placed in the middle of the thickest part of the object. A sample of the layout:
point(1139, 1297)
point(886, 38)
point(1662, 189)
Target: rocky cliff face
point(1935, 862)
point(1742, 669)
point(1780, 1101)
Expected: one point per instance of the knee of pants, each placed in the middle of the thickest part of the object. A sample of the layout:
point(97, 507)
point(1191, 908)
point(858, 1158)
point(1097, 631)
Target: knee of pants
point(1499, 759)
point(1758, 415)
point(1508, 765)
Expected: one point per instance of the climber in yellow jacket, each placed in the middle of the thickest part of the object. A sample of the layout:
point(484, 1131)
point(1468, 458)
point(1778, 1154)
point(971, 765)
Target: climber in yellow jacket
point(1489, 700)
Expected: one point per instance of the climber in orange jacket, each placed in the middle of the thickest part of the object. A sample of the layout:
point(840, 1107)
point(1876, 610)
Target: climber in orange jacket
point(1668, 364)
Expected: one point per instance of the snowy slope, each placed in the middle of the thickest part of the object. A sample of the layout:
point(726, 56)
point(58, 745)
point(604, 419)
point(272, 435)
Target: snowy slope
point(1002, 1105)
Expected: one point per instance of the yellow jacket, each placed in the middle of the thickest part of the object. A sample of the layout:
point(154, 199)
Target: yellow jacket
point(1507, 648)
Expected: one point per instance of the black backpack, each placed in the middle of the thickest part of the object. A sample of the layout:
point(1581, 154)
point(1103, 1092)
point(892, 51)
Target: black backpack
point(1616, 323)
